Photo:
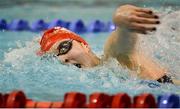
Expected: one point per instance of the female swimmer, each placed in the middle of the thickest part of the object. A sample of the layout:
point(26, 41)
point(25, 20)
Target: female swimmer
point(130, 20)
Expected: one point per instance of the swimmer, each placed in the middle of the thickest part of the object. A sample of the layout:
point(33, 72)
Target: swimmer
point(130, 20)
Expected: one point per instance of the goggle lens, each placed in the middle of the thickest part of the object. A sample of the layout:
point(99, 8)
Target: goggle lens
point(64, 47)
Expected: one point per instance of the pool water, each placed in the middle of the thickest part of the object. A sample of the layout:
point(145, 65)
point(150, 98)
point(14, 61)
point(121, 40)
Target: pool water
point(47, 79)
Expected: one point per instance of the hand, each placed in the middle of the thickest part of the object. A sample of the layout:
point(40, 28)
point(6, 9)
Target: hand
point(135, 19)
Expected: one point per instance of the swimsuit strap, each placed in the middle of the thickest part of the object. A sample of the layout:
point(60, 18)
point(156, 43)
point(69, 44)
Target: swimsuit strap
point(165, 79)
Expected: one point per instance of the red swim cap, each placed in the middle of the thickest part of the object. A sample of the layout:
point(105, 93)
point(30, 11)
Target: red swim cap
point(51, 36)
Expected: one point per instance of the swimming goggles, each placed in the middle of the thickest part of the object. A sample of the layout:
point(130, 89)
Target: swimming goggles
point(64, 47)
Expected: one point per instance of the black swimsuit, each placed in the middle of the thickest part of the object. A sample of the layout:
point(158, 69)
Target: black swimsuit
point(165, 79)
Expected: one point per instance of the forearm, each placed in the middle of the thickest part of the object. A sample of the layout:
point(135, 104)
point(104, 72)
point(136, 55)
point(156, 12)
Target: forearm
point(120, 42)
point(121, 45)
point(126, 41)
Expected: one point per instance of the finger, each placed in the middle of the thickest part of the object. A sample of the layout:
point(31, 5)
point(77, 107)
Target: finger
point(144, 10)
point(144, 20)
point(142, 27)
point(142, 14)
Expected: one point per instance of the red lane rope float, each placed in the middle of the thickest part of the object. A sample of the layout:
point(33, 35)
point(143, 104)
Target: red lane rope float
point(43, 104)
point(145, 100)
point(57, 105)
point(74, 100)
point(30, 104)
point(5, 96)
point(121, 100)
point(99, 100)
point(1, 101)
point(34, 104)
point(16, 99)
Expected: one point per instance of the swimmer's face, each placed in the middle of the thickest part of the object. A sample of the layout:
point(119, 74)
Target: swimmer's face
point(78, 54)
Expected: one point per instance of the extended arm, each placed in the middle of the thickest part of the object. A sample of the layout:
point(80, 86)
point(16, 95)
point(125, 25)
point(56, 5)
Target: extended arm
point(121, 44)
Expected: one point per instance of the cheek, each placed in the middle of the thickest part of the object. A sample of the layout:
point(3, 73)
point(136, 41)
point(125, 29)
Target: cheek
point(76, 53)
point(62, 58)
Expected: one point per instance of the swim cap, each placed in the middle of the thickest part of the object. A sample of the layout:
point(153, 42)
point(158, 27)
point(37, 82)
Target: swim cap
point(51, 36)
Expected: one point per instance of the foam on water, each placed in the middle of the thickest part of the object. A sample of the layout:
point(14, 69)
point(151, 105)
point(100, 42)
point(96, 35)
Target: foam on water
point(47, 79)
point(164, 45)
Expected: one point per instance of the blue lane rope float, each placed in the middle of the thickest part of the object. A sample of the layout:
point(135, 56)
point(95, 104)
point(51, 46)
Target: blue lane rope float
point(97, 26)
point(77, 26)
point(39, 25)
point(18, 25)
point(169, 101)
point(57, 22)
point(110, 26)
point(3, 24)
